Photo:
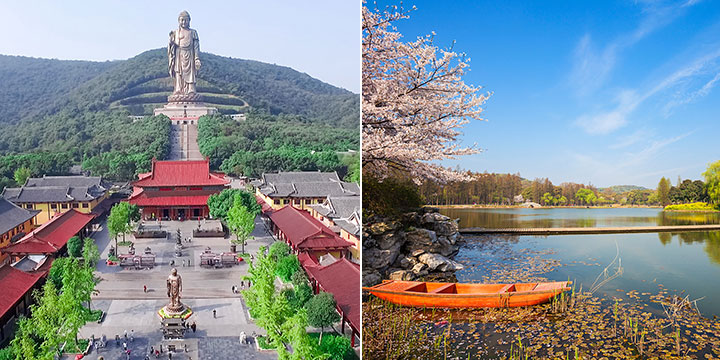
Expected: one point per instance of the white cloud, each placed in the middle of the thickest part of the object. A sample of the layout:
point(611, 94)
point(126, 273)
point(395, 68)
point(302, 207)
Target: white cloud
point(628, 100)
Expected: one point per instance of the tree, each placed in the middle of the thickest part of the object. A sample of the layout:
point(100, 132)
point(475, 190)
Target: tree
point(278, 250)
point(21, 175)
point(287, 267)
point(57, 272)
point(712, 182)
point(413, 102)
point(74, 246)
point(221, 203)
point(241, 222)
point(337, 347)
point(90, 252)
point(586, 196)
point(321, 311)
point(119, 221)
point(663, 191)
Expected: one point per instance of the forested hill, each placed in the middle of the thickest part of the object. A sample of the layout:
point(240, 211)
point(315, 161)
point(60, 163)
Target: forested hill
point(33, 88)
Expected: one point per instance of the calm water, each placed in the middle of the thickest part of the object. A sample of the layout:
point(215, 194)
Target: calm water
point(686, 262)
point(573, 217)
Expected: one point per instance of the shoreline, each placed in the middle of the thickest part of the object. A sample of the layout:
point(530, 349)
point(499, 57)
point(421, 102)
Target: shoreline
point(484, 206)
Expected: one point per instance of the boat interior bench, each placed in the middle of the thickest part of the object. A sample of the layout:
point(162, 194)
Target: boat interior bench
point(452, 288)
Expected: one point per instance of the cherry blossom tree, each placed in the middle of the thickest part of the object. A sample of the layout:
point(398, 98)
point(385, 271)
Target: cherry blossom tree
point(414, 102)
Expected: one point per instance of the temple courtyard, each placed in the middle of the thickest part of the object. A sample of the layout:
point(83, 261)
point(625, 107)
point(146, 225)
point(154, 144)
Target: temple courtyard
point(128, 308)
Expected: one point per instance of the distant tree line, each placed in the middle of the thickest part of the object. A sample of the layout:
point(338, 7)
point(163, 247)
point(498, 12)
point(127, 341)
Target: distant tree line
point(502, 189)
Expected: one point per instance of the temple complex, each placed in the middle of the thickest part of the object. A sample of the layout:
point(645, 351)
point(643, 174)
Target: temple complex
point(177, 190)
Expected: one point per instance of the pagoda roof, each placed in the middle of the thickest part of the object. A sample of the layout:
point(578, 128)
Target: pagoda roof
point(51, 236)
point(181, 173)
point(169, 198)
point(304, 231)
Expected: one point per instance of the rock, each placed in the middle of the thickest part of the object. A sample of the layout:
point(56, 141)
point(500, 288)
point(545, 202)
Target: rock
point(371, 278)
point(374, 258)
point(420, 239)
point(382, 227)
point(390, 240)
point(406, 262)
point(454, 238)
point(417, 252)
point(445, 228)
point(404, 275)
point(433, 261)
point(439, 262)
point(430, 218)
point(429, 209)
point(418, 268)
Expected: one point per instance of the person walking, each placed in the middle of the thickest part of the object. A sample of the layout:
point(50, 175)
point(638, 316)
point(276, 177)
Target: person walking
point(132, 335)
point(214, 314)
point(242, 284)
point(193, 326)
point(144, 288)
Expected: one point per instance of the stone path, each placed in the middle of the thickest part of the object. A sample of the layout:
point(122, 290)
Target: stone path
point(183, 142)
point(128, 308)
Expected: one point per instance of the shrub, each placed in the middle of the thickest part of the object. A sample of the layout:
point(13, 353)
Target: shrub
point(696, 206)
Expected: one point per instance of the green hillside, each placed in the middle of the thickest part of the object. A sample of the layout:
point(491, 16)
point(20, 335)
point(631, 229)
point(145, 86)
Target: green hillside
point(619, 189)
point(38, 87)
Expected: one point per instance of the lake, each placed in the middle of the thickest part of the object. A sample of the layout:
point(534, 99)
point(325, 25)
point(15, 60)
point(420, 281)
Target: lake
point(686, 263)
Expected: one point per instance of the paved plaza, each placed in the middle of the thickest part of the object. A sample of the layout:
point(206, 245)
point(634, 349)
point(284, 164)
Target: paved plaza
point(129, 308)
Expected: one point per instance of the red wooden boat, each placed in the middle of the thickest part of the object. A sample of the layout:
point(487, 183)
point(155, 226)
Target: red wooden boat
point(456, 295)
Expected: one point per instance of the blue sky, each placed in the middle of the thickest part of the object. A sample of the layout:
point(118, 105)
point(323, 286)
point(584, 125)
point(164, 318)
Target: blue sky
point(320, 38)
point(601, 92)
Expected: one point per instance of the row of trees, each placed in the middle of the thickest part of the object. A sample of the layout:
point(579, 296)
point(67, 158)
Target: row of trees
point(259, 145)
point(286, 314)
point(60, 309)
point(120, 220)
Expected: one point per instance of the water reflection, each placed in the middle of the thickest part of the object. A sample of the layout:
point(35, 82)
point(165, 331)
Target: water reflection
point(711, 240)
point(553, 218)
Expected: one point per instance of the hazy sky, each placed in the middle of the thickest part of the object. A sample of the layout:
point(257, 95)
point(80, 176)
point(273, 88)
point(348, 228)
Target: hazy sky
point(320, 38)
point(601, 92)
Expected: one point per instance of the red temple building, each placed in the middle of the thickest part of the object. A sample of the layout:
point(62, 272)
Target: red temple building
point(177, 189)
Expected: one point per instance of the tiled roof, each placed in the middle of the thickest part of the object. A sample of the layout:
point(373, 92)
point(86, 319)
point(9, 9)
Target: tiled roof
point(170, 198)
point(304, 231)
point(15, 284)
point(58, 189)
point(310, 189)
point(72, 181)
point(338, 207)
point(181, 173)
point(12, 215)
point(342, 279)
point(348, 226)
point(52, 235)
point(299, 176)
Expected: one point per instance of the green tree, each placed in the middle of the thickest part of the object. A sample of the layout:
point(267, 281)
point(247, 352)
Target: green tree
point(21, 175)
point(586, 196)
point(337, 347)
point(287, 266)
point(222, 202)
point(74, 246)
point(119, 221)
point(663, 191)
point(712, 182)
point(90, 252)
point(241, 222)
point(57, 271)
point(278, 250)
point(321, 311)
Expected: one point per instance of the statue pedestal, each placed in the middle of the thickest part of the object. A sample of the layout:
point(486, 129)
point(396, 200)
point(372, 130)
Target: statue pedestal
point(178, 111)
point(172, 321)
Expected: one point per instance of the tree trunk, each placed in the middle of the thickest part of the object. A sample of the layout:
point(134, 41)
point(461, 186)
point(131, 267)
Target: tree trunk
point(321, 333)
